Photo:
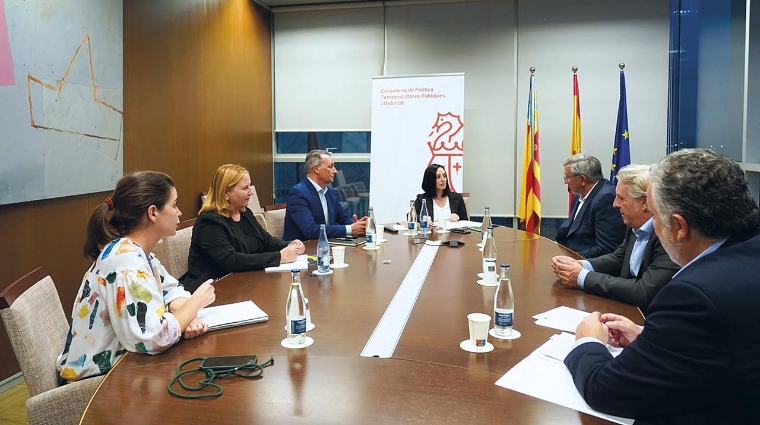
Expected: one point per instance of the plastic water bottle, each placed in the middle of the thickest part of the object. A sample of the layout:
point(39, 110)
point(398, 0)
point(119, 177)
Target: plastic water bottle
point(504, 304)
point(295, 310)
point(370, 231)
point(486, 224)
point(489, 260)
point(424, 218)
point(412, 219)
point(323, 251)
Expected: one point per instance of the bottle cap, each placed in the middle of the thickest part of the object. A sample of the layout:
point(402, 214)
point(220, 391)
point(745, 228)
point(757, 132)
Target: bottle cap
point(504, 265)
point(296, 271)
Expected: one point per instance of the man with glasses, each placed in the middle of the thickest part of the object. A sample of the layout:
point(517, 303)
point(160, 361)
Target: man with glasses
point(639, 267)
point(697, 358)
point(594, 227)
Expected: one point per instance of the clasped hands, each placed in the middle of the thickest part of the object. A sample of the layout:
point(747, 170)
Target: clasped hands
point(291, 252)
point(567, 270)
point(613, 329)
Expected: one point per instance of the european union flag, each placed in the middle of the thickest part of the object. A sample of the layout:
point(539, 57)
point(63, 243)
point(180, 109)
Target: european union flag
point(621, 152)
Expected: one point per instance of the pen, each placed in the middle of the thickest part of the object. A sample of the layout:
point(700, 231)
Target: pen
point(345, 239)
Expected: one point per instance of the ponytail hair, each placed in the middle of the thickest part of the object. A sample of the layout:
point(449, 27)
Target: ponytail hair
point(125, 209)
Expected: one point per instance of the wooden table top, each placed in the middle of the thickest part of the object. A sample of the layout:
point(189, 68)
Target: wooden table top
point(428, 379)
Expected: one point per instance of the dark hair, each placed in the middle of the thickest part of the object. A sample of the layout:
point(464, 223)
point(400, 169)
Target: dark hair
point(133, 195)
point(428, 181)
point(708, 190)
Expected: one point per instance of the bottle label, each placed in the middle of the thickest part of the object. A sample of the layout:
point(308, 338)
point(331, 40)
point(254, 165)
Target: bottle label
point(411, 226)
point(323, 261)
point(423, 225)
point(297, 326)
point(370, 238)
point(502, 319)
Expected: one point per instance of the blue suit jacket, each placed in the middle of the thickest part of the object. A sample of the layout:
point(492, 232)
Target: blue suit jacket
point(304, 214)
point(698, 358)
point(598, 229)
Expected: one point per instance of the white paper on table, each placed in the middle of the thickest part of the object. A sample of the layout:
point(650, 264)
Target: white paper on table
point(560, 345)
point(549, 380)
point(400, 227)
point(229, 315)
point(301, 263)
point(561, 318)
point(461, 224)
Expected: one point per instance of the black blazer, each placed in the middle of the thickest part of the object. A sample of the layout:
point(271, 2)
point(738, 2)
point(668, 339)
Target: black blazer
point(456, 204)
point(697, 360)
point(215, 249)
point(598, 229)
point(612, 273)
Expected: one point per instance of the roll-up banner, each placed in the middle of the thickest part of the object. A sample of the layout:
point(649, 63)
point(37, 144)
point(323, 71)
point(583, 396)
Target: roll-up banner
point(416, 121)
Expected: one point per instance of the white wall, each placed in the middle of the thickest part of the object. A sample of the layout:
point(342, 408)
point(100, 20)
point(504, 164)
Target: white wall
point(324, 62)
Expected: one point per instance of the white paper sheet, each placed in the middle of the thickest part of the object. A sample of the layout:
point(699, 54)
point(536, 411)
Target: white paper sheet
point(561, 318)
point(548, 379)
point(228, 315)
point(301, 263)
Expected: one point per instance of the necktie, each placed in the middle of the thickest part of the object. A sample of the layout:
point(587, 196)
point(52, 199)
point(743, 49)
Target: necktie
point(323, 200)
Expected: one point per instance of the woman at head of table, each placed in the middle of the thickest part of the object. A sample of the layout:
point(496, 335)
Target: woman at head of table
point(127, 300)
point(441, 201)
point(226, 236)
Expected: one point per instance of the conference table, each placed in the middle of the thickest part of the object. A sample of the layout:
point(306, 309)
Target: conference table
point(427, 379)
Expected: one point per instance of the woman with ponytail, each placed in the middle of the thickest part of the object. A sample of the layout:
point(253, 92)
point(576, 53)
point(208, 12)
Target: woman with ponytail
point(127, 300)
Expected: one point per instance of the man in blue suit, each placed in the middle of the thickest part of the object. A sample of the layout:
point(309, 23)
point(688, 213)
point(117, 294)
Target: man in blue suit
point(594, 227)
point(312, 202)
point(697, 358)
point(639, 267)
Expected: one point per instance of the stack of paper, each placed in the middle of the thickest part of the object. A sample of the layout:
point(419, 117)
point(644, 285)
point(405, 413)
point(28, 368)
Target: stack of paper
point(543, 375)
point(561, 318)
point(301, 263)
point(229, 315)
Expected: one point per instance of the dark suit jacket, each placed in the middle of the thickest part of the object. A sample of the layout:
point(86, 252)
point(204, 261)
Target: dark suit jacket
point(304, 213)
point(598, 229)
point(456, 204)
point(216, 250)
point(698, 357)
point(612, 273)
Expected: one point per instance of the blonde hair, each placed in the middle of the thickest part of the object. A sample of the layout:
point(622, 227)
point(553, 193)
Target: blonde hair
point(225, 177)
point(636, 177)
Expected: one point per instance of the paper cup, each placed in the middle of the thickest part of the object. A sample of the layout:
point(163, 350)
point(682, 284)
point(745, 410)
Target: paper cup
point(478, 324)
point(442, 224)
point(339, 255)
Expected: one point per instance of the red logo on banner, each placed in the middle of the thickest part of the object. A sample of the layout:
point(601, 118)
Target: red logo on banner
point(445, 142)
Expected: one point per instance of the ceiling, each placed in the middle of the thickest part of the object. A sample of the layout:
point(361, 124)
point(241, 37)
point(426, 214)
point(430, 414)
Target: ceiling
point(281, 3)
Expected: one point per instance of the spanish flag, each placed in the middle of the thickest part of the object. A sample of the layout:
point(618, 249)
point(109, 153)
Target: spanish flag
point(575, 137)
point(529, 211)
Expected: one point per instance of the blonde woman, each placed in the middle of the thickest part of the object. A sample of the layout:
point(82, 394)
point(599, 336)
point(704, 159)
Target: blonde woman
point(226, 236)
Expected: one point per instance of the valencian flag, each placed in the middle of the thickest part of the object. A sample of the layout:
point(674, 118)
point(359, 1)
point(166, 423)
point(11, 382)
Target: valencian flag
point(575, 137)
point(621, 152)
point(529, 211)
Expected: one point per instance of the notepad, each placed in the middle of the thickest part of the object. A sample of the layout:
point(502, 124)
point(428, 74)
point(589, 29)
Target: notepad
point(301, 263)
point(230, 315)
point(348, 241)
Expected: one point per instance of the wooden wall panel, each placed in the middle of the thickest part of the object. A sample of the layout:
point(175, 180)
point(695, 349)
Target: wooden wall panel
point(197, 94)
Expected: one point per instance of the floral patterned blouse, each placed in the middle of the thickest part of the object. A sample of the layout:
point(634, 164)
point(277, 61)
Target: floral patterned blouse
point(121, 306)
